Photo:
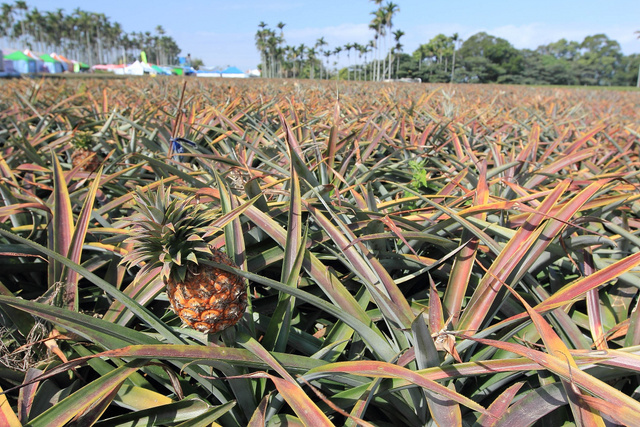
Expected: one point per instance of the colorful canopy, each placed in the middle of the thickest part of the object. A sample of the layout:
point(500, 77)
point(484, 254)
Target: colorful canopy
point(61, 58)
point(31, 54)
point(47, 58)
point(18, 56)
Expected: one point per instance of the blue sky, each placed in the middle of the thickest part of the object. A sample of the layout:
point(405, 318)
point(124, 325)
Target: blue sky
point(222, 32)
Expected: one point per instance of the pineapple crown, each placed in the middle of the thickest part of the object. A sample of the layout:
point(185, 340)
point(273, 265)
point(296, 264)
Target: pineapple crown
point(168, 231)
point(82, 139)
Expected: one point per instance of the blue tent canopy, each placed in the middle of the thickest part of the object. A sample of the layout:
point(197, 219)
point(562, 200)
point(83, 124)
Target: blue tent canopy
point(232, 70)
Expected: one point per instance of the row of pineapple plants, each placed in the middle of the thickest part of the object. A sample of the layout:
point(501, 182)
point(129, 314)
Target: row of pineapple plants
point(259, 253)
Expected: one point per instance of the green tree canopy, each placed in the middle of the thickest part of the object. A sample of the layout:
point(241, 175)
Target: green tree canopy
point(503, 61)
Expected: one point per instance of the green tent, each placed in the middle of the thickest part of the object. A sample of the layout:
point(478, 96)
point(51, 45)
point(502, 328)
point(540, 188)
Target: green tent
point(51, 65)
point(18, 56)
point(21, 63)
point(47, 58)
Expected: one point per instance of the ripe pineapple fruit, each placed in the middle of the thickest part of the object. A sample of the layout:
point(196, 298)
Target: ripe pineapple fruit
point(82, 152)
point(173, 233)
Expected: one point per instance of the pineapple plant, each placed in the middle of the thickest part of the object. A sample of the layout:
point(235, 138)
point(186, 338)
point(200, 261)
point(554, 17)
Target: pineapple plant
point(175, 234)
point(82, 155)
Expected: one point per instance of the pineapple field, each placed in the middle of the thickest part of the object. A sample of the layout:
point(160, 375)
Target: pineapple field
point(178, 252)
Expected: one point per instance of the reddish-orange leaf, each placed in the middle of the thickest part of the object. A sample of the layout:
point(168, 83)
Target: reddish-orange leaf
point(556, 347)
point(378, 369)
point(301, 404)
point(7, 416)
point(499, 406)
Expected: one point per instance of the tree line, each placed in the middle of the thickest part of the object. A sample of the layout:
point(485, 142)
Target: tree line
point(482, 58)
point(85, 36)
point(375, 60)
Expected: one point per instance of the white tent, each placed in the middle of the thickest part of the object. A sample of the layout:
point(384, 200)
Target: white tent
point(137, 69)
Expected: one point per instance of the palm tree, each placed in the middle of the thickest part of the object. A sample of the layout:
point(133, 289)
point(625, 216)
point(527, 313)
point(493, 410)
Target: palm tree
point(272, 46)
point(100, 26)
point(336, 52)
point(115, 39)
point(301, 51)
point(261, 44)
point(455, 39)
point(87, 36)
point(71, 34)
point(292, 59)
point(271, 51)
point(390, 10)
point(378, 24)
point(280, 50)
point(319, 45)
point(398, 47)
point(311, 55)
point(34, 26)
point(57, 36)
point(159, 54)
point(424, 51)
point(21, 6)
point(358, 69)
point(369, 48)
point(327, 54)
point(364, 51)
point(127, 45)
point(348, 48)
point(6, 21)
point(81, 23)
point(418, 54)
